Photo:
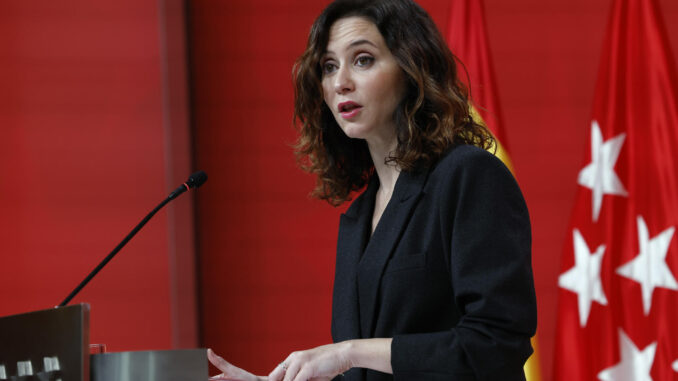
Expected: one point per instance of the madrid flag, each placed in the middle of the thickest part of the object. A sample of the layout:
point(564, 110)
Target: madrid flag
point(618, 289)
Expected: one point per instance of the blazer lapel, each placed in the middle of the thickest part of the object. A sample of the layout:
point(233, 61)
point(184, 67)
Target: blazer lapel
point(380, 247)
point(354, 228)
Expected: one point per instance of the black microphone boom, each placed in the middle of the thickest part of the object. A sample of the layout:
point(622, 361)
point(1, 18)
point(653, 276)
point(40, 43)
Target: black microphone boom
point(194, 181)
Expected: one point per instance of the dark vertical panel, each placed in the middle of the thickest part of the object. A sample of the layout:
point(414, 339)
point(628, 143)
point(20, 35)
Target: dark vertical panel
point(178, 166)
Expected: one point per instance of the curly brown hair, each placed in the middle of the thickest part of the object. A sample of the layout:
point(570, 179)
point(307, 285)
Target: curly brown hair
point(433, 115)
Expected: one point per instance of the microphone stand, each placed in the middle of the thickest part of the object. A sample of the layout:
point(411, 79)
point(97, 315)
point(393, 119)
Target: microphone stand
point(114, 252)
point(194, 181)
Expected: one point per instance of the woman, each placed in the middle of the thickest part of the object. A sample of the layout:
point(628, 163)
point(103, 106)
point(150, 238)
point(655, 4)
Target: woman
point(433, 276)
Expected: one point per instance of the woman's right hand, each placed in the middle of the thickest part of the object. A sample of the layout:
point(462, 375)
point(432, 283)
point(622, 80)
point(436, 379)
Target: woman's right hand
point(229, 371)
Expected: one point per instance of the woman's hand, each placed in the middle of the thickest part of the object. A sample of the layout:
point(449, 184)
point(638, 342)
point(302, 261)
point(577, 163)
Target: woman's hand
point(317, 364)
point(229, 371)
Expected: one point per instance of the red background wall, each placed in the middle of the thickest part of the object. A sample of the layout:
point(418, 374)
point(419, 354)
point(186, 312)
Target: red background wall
point(95, 119)
point(92, 135)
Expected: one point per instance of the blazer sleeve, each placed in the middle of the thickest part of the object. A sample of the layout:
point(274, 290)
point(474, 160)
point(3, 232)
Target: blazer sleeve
point(486, 228)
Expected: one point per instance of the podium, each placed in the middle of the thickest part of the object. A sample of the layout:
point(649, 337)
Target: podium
point(53, 344)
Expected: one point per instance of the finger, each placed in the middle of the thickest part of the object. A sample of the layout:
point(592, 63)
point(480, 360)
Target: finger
point(292, 370)
point(304, 375)
point(221, 364)
point(216, 360)
point(278, 373)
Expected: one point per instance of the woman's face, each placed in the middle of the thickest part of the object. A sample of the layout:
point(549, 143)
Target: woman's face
point(362, 82)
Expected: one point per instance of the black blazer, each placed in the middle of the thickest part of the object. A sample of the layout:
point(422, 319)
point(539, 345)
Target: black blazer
point(447, 273)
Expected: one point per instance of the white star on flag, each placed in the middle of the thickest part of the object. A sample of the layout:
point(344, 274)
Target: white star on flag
point(635, 365)
point(675, 366)
point(599, 175)
point(584, 278)
point(649, 267)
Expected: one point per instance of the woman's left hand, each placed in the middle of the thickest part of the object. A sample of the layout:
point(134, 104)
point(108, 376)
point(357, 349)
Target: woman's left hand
point(317, 364)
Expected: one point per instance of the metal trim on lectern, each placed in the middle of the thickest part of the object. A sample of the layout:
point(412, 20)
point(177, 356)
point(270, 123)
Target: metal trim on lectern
point(46, 345)
point(173, 365)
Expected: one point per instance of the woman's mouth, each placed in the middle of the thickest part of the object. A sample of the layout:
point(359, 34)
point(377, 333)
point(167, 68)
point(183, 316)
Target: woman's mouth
point(349, 109)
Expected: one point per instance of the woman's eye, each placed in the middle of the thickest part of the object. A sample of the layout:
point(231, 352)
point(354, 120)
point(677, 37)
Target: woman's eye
point(328, 67)
point(364, 61)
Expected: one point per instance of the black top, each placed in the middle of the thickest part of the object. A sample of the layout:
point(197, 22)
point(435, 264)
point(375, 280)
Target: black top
point(447, 273)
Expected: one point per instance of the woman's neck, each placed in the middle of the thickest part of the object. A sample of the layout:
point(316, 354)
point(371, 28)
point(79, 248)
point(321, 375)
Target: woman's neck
point(387, 172)
point(388, 175)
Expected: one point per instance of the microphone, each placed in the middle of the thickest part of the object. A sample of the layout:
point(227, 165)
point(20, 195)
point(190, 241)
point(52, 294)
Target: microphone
point(194, 181)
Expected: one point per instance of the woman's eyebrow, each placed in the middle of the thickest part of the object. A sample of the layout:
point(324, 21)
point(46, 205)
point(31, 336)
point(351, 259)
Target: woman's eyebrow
point(353, 44)
point(361, 42)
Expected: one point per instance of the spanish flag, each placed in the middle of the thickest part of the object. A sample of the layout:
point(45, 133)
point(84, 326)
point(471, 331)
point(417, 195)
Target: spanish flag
point(467, 38)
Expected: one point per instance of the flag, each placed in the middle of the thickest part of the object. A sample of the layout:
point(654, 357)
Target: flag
point(618, 295)
point(467, 37)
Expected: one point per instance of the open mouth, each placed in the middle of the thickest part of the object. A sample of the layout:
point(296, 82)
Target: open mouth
point(349, 109)
point(348, 106)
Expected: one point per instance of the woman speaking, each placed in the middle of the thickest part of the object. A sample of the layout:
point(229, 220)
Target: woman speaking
point(433, 271)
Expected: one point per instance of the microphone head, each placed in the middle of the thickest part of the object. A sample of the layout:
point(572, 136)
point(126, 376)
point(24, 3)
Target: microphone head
point(196, 180)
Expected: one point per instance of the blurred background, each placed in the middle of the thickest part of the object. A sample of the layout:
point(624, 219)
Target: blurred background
point(107, 106)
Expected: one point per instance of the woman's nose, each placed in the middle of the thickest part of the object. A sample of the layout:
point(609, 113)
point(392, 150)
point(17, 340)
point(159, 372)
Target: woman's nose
point(343, 82)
